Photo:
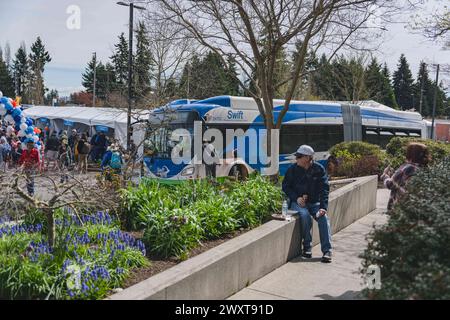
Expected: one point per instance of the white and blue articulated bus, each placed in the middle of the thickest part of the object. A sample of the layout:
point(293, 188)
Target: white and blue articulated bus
point(318, 124)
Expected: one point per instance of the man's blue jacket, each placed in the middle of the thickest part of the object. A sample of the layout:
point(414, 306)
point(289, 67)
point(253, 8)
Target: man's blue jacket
point(312, 182)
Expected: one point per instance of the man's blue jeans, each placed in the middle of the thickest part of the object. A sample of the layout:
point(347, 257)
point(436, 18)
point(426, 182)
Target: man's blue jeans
point(306, 215)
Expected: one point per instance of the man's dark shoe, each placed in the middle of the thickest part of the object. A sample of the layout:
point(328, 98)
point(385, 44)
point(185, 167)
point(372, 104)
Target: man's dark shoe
point(326, 257)
point(307, 254)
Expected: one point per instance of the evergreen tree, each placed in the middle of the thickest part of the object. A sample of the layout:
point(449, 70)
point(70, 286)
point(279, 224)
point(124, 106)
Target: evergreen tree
point(6, 80)
point(143, 64)
point(403, 84)
point(88, 75)
point(378, 84)
point(39, 57)
point(323, 82)
point(111, 82)
point(388, 96)
point(305, 89)
point(170, 89)
point(231, 82)
point(120, 62)
point(21, 71)
point(53, 94)
point(424, 82)
point(104, 79)
point(183, 89)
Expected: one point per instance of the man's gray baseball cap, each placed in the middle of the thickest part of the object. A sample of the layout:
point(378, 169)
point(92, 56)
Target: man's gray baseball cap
point(304, 150)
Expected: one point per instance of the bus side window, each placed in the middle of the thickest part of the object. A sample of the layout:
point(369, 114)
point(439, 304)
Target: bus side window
point(317, 137)
point(291, 137)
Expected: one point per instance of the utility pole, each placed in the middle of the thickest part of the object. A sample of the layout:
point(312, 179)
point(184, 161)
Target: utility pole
point(95, 75)
point(130, 70)
point(421, 91)
point(434, 101)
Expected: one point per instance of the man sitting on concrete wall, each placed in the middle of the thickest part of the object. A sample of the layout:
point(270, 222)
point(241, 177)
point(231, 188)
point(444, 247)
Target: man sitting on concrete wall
point(306, 185)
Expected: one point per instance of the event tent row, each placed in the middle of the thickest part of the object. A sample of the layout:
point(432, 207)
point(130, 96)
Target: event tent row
point(109, 120)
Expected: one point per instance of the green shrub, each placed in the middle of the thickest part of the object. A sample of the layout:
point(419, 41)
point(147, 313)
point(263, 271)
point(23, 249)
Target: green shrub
point(412, 248)
point(254, 200)
point(217, 216)
point(396, 149)
point(141, 202)
point(358, 159)
point(175, 218)
point(172, 233)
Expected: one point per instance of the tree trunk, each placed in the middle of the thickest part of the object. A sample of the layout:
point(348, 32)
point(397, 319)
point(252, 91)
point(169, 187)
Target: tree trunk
point(50, 227)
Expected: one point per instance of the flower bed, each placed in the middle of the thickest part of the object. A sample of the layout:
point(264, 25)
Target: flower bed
point(91, 257)
point(175, 219)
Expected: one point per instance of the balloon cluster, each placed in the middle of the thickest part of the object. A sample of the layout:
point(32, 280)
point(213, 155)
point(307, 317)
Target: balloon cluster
point(23, 126)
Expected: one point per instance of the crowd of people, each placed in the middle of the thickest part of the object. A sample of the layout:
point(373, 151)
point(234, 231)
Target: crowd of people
point(57, 152)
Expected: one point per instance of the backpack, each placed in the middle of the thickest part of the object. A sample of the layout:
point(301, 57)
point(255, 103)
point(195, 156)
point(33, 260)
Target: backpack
point(116, 161)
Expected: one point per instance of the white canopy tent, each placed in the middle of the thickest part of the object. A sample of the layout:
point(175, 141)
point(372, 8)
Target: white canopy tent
point(115, 119)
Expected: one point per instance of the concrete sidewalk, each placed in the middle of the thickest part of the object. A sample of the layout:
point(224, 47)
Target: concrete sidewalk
point(301, 279)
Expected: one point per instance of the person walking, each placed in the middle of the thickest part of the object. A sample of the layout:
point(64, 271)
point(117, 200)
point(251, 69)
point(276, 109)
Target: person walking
point(16, 150)
point(417, 156)
point(73, 140)
point(64, 161)
point(306, 185)
point(83, 149)
point(5, 152)
point(52, 147)
point(30, 162)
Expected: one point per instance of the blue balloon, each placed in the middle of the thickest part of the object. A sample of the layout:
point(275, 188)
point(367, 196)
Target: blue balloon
point(4, 100)
point(29, 130)
point(29, 122)
point(17, 118)
point(16, 113)
point(9, 107)
point(17, 127)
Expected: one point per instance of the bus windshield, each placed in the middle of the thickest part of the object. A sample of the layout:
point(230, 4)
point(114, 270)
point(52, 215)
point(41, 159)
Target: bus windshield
point(158, 143)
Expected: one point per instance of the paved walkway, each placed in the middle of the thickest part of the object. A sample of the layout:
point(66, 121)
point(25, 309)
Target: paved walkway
point(301, 279)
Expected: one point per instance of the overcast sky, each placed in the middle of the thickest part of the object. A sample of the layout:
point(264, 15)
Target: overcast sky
point(103, 20)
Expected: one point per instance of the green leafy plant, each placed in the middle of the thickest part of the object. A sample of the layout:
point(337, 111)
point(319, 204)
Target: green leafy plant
point(175, 218)
point(412, 248)
point(356, 159)
point(396, 149)
point(172, 233)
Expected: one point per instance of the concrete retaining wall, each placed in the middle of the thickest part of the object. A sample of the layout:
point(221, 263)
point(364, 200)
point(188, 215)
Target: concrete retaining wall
point(233, 265)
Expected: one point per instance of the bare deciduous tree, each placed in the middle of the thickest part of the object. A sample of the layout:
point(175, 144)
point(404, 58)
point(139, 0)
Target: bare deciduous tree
point(433, 25)
point(255, 32)
point(171, 49)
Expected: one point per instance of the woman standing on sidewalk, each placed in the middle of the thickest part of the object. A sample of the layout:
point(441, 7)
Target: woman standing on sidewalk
point(417, 156)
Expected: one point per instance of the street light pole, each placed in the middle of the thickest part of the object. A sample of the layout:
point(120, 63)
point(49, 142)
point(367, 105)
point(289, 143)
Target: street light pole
point(130, 68)
point(130, 75)
point(434, 101)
